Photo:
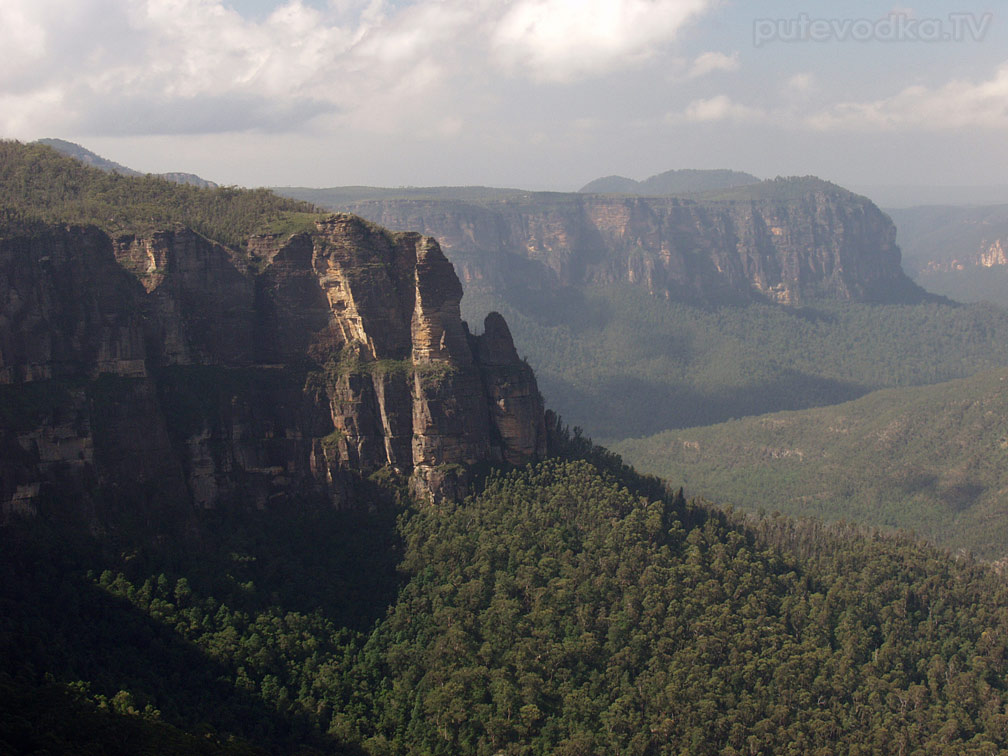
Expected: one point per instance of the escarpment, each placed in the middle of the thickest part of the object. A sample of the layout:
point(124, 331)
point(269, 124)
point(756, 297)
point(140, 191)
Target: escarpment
point(785, 241)
point(170, 369)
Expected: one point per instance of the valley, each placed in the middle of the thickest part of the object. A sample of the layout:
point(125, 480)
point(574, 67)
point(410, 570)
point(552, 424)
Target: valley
point(927, 460)
point(525, 378)
point(264, 491)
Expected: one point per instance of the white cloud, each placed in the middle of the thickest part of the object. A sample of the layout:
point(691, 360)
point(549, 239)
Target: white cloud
point(721, 108)
point(198, 66)
point(709, 62)
point(559, 40)
point(800, 83)
point(955, 105)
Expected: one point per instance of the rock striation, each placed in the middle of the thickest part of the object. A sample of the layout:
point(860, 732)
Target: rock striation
point(785, 241)
point(170, 369)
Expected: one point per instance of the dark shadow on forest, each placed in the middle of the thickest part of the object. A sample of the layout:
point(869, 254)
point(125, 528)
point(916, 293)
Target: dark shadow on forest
point(568, 306)
point(629, 407)
point(59, 626)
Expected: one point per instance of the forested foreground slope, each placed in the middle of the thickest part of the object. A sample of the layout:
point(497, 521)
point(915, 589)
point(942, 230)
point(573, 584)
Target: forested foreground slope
point(567, 609)
point(927, 459)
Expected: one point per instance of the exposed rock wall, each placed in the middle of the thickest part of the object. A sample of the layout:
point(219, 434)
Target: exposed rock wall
point(166, 366)
point(822, 243)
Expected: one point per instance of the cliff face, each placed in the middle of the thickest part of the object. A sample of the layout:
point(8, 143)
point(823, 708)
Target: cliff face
point(943, 239)
point(819, 243)
point(165, 368)
point(989, 254)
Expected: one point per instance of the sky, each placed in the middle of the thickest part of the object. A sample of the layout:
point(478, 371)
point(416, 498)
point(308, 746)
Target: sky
point(537, 94)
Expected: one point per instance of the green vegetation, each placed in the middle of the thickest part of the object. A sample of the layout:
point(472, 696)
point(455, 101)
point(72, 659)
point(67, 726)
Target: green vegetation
point(341, 197)
point(563, 610)
point(66, 719)
point(929, 459)
point(571, 607)
point(350, 362)
point(622, 364)
point(38, 184)
point(199, 627)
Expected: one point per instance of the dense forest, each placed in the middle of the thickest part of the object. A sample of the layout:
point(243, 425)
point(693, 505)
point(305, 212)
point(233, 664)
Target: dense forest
point(38, 184)
point(624, 365)
point(572, 607)
point(928, 459)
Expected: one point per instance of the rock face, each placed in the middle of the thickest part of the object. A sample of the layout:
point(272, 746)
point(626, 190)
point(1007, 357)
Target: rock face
point(788, 242)
point(943, 239)
point(165, 369)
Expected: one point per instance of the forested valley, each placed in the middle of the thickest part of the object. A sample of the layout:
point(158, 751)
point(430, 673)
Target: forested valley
point(623, 365)
point(568, 606)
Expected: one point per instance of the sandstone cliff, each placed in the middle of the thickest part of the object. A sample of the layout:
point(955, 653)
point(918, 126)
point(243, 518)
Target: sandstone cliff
point(942, 239)
point(786, 241)
point(171, 369)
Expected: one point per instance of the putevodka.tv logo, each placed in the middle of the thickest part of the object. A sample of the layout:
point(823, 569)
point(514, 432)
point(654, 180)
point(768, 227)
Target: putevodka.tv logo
point(896, 27)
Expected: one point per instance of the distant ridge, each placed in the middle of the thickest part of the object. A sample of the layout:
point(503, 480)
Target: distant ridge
point(683, 181)
point(87, 157)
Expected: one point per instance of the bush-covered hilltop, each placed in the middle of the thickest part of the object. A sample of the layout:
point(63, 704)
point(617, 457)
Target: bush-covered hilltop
point(38, 184)
point(561, 611)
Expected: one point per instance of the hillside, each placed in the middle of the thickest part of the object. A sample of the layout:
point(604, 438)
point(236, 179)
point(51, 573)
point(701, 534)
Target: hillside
point(560, 611)
point(38, 185)
point(90, 158)
point(681, 181)
point(929, 460)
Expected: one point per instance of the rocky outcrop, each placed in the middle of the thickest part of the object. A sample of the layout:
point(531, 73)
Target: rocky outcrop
point(408, 387)
point(515, 405)
point(168, 367)
point(991, 254)
point(944, 239)
point(788, 241)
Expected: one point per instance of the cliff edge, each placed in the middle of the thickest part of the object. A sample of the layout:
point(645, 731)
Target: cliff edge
point(168, 368)
point(789, 241)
